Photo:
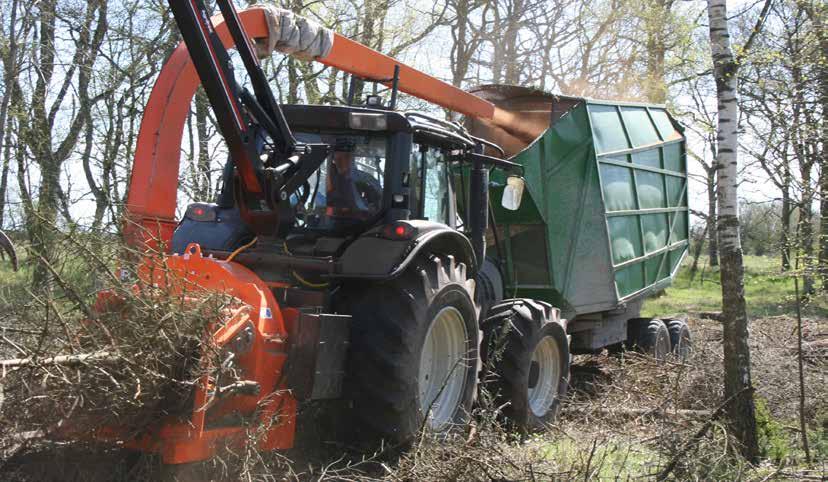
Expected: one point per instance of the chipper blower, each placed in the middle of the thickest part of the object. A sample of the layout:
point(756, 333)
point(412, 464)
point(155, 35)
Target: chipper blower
point(364, 250)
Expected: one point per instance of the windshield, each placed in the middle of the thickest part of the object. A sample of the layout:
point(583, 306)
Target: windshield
point(348, 189)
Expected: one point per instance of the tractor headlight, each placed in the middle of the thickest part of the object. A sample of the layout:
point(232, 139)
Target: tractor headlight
point(368, 121)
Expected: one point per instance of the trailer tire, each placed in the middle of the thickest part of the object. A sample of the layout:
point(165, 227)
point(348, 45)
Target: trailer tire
point(649, 336)
point(522, 344)
point(680, 338)
point(396, 326)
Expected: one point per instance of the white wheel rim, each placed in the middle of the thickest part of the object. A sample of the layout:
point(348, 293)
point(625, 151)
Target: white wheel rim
point(547, 357)
point(443, 368)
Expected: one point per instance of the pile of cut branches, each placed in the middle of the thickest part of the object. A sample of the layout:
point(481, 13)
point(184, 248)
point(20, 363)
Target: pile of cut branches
point(74, 362)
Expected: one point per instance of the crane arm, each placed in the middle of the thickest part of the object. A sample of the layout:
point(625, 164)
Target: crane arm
point(152, 197)
point(212, 63)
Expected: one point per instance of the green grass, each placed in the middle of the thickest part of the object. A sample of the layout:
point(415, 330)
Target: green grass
point(607, 460)
point(768, 291)
point(75, 268)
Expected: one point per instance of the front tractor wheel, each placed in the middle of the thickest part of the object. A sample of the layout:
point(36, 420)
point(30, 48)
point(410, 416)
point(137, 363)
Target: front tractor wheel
point(528, 359)
point(414, 351)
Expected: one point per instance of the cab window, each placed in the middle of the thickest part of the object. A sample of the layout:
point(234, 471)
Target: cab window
point(429, 174)
point(348, 187)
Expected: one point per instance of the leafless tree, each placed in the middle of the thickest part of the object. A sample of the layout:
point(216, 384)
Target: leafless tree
point(738, 386)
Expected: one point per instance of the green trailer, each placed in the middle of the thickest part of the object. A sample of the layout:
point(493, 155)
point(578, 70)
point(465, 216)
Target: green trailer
point(604, 218)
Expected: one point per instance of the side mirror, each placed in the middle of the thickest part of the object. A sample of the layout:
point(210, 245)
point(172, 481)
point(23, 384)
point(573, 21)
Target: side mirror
point(513, 193)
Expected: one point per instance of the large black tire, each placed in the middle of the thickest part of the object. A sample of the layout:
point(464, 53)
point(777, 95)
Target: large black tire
point(680, 338)
point(649, 336)
point(390, 325)
point(515, 330)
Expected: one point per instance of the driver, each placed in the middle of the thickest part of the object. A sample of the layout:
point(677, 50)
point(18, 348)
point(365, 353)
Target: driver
point(342, 195)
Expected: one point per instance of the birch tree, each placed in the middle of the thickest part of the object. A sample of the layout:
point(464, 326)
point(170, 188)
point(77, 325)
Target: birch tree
point(738, 387)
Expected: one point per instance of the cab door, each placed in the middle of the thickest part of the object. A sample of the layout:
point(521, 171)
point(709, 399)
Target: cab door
point(433, 191)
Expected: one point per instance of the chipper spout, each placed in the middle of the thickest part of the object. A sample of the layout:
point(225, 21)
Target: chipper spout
point(520, 116)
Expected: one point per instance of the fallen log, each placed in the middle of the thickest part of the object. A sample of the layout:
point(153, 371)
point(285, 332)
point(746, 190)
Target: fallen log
point(640, 412)
point(64, 360)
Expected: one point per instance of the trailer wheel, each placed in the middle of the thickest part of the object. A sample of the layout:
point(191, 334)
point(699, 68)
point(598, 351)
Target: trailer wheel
point(649, 336)
point(680, 338)
point(414, 351)
point(528, 361)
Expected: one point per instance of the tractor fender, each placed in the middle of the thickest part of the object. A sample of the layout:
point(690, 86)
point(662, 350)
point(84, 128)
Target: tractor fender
point(377, 256)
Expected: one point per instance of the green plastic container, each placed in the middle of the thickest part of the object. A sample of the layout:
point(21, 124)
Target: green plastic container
point(604, 221)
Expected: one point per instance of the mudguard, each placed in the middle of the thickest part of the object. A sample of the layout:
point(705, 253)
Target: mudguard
point(379, 255)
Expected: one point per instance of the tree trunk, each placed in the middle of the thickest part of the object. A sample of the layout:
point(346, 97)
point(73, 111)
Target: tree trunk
point(461, 50)
point(655, 20)
point(38, 138)
point(737, 380)
point(4, 176)
point(805, 227)
point(805, 233)
point(293, 81)
point(202, 187)
point(373, 16)
point(10, 72)
point(514, 18)
point(817, 16)
point(785, 240)
point(712, 220)
point(40, 119)
point(699, 246)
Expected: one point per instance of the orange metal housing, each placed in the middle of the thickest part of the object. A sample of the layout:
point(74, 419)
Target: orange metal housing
point(259, 323)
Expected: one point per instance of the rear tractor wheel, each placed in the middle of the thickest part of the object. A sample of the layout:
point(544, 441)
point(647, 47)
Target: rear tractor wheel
point(527, 354)
point(414, 351)
point(680, 338)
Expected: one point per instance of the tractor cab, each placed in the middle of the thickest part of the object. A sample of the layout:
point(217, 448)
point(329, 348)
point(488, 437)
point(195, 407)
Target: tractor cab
point(383, 167)
point(349, 191)
point(387, 179)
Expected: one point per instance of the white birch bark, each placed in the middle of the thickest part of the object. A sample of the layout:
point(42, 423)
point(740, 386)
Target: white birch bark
point(738, 387)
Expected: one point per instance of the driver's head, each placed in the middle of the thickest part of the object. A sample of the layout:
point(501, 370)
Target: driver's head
point(343, 155)
point(343, 160)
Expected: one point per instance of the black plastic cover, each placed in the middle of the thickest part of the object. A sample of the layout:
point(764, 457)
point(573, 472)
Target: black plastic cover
point(318, 352)
point(212, 227)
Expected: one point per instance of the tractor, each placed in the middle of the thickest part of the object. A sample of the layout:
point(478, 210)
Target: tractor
point(375, 248)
